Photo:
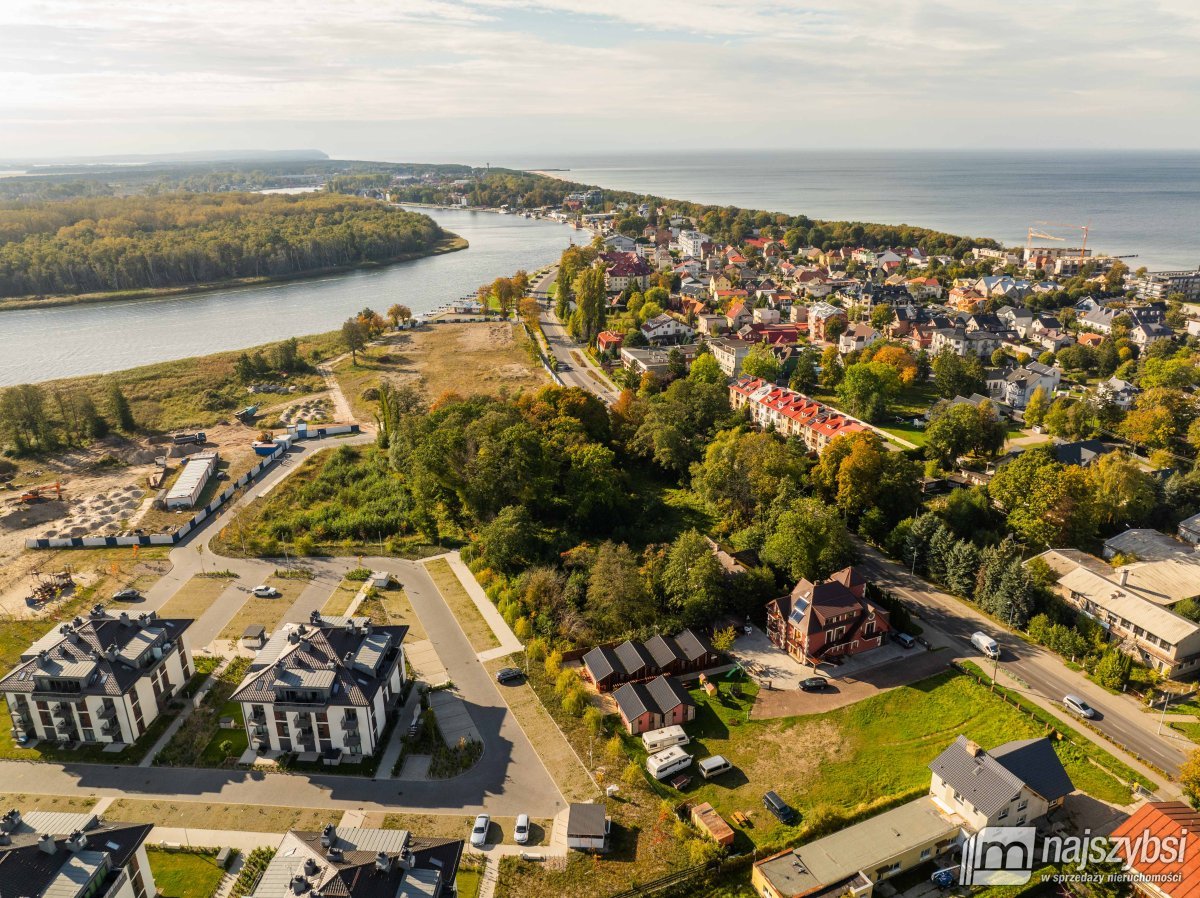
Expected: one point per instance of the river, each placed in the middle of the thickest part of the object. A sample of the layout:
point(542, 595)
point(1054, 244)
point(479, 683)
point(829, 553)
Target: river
point(94, 338)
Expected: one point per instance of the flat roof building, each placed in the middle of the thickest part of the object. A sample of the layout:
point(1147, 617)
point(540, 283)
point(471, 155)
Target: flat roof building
point(189, 485)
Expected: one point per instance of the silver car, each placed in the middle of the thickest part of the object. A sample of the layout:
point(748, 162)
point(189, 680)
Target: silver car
point(480, 830)
point(521, 830)
point(1076, 705)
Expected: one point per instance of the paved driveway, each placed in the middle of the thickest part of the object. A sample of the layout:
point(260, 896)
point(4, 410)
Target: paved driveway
point(766, 663)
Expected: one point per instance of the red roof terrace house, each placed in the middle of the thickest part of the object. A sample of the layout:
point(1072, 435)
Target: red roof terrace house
point(819, 621)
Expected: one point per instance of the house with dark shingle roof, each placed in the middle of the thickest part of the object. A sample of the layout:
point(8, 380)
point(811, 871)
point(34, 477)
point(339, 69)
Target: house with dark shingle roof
point(649, 706)
point(327, 687)
point(685, 652)
point(818, 621)
point(46, 854)
point(99, 679)
point(992, 789)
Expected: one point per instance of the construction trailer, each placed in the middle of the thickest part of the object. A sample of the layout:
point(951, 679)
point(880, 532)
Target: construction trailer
point(188, 487)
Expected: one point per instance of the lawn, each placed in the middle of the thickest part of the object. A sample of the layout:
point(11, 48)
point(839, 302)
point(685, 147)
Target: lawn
point(465, 611)
point(268, 612)
point(71, 804)
point(215, 815)
point(552, 746)
point(199, 741)
point(184, 874)
point(338, 603)
point(392, 606)
point(194, 597)
point(468, 881)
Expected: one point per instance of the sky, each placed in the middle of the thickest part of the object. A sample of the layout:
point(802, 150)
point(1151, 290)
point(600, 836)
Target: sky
point(480, 79)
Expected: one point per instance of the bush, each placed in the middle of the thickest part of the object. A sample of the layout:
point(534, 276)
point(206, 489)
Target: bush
point(359, 574)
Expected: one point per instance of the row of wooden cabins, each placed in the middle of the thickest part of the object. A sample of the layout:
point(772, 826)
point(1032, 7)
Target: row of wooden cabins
point(634, 661)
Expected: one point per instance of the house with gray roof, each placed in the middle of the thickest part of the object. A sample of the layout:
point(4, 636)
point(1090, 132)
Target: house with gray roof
point(1012, 785)
point(659, 703)
point(686, 652)
point(45, 854)
point(100, 679)
point(324, 688)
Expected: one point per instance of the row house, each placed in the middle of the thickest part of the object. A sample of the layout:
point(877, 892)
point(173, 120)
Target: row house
point(662, 702)
point(820, 621)
point(327, 687)
point(99, 679)
point(791, 413)
point(684, 653)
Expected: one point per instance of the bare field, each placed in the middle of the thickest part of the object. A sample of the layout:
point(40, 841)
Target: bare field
point(194, 597)
point(24, 801)
point(206, 815)
point(478, 633)
point(268, 612)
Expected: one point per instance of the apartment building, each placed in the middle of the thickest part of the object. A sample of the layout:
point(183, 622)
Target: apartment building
point(327, 687)
point(99, 679)
point(792, 413)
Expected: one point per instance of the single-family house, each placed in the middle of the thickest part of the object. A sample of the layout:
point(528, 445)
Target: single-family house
point(650, 706)
point(818, 621)
point(609, 341)
point(1120, 393)
point(666, 330)
point(860, 336)
point(1157, 872)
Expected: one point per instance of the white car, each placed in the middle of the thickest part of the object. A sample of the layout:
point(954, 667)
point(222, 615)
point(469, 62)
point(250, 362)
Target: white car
point(480, 830)
point(521, 830)
point(266, 592)
point(1076, 705)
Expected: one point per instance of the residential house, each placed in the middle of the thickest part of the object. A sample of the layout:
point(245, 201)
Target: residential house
point(356, 862)
point(609, 341)
point(327, 686)
point(820, 316)
point(710, 323)
point(964, 299)
point(765, 316)
point(1080, 452)
point(1120, 393)
point(587, 827)
point(1090, 340)
point(924, 288)
point(650, 706)
point(860, 336)
point(625, 270)
point(791, 413)
point(730, 352)
point(101, 679)
point(687, 268)
point(1189, 529)
point(1012, 785)
point(739, 315)
point(1020, 384)
point(691, 243)
point(1158, 285)
point(819, 621)
point(1153, 875)
point(619, 243)
point(656, 360)
point(684, 653)
point(962, 341)
point(666, 330)
point(49, 854)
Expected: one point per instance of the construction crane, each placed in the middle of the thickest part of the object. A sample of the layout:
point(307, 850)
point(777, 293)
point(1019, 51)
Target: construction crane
point(1085, 228)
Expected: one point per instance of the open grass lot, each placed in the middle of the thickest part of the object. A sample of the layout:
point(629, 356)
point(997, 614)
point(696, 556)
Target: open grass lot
point(458, 826)
point(268, 612)
point(194, 597)
point(201, 741)
point(216, 815)
point(483, 357)
point(339, 602)
point(551, 745)
point(478, 632)
point(469, 880)
point(182, 874)
point(392, 606)
point(25, 801)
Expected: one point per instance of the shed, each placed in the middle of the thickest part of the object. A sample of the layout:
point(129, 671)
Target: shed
point(188, 487)
point(706, 819)
point(380, 579)
point(587, 827)
point(254, 636)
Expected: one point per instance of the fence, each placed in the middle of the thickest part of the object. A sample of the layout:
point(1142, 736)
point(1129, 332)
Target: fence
point(175, 536)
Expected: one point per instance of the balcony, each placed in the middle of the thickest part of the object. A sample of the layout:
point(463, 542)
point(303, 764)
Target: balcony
point(259, 731)
point(110, 728)
point(350, 725)
point(258, 716)
point(108, 712)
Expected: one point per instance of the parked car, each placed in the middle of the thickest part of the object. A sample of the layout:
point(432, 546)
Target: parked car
point(480, 830)
point(509, 675)
point(713, 765)
point(780, 808)
point(521, 830)
point(905, 639)
point(985, 644)
point(814, 684)
point(1076, 705)
point(127, 595)
point(266, 592)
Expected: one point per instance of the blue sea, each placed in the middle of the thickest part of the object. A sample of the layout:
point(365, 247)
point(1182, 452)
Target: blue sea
point(1143, 203)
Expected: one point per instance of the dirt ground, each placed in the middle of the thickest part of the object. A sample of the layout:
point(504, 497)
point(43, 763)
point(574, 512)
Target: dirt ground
point(480, 357)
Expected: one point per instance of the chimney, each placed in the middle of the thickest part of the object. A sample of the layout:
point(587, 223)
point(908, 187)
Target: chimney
point(76, 842)
point(348, 659)
point(315, 617)
point(47, 844)
point(1124, 575)
point(124, 618)
point(383, 862)
point(310, 867)
point(334, 853)
point(10, 821)
point(97, 610)
point(328, 835)
point(111, 652)
point(973, 749)
point(299, 884)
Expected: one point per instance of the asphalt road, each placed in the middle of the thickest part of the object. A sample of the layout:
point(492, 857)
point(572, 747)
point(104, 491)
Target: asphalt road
point(1119, 718)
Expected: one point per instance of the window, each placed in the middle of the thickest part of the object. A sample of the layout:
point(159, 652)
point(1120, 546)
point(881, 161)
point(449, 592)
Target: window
point(1021, 820)
point(1002, 814)
point(1023, 805)
point(926, 853)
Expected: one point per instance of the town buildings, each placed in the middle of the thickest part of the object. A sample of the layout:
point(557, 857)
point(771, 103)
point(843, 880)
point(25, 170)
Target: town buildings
point(791, 413)
point(99, 679)
point(819, 621)
point(686, 652)
point(326, 687)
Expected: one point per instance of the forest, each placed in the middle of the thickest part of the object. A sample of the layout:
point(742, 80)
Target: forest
point(102, 244)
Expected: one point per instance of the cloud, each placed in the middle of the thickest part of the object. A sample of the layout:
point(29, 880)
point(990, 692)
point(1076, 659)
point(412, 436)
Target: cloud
point(663, 72)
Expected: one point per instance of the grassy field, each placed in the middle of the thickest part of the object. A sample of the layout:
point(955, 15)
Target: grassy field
point(24, 801)
point(458, 826)
point(339, 602)
point(473, 625)
point(182, 874)
point(268, 612)
point(215, 815)
point(392, 606)
point(194, 597)
point(492, 357)
point(552, 747)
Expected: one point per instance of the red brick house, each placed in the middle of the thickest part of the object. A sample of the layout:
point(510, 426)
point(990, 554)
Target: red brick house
point(662, 702)
point(818, 621)
point(609, 341)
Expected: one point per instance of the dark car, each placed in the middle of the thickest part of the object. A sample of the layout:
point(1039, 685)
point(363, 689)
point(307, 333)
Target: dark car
point(509, 675)
point(780, 808)
point(127, 595)
point(814, 684)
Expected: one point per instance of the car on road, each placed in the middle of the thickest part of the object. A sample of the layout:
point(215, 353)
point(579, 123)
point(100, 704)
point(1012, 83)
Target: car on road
point(509, 675)
point(480, 830)
point(266, 592)
point(127, 595)
point(1076, 705)
point(780, 808)
point(905, 639)
point(521, 830)
point(564, 366)
point(985, 644)
point(814, 684)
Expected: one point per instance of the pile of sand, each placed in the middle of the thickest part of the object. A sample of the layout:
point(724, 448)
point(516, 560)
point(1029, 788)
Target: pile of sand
point(104, 514)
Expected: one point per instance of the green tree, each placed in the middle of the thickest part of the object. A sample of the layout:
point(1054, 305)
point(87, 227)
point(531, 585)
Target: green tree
point(119, 407)
point(354, 337)
point(882, 317)
point(761, 362)
point(804, 375)
point(706, 369)
point(692, 579)
point(1122, 493)
point(868, 388)
point(808, 540)
point(616, 593)
point(1036, 408)
point(509, 542)
point(956, 376)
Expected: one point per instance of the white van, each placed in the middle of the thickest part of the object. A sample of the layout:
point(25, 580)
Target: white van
point(667, 762)
point(657, 740)
point(985, 644)
point(713, 765)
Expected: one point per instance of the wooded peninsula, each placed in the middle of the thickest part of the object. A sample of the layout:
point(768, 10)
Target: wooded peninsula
point(101, 244)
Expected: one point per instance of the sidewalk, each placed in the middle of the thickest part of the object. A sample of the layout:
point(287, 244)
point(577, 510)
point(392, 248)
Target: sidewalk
point(508, 640)
point(244, 842)
point(193, 703)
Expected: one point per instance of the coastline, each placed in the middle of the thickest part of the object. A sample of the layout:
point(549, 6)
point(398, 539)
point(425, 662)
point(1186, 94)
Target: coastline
point(451, 243)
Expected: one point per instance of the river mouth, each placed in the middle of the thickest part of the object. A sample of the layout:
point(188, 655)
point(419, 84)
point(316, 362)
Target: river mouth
point(39, 344)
